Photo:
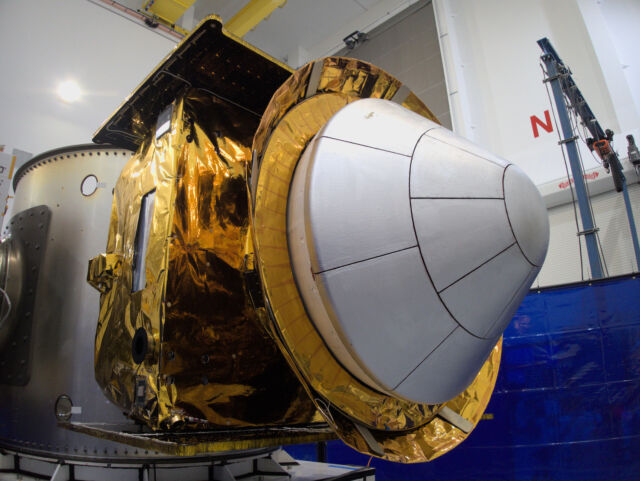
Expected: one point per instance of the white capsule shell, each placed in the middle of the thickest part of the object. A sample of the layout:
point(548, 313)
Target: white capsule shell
point(411, 247)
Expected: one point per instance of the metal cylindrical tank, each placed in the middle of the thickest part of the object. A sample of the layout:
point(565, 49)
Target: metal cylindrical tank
point(61, 211)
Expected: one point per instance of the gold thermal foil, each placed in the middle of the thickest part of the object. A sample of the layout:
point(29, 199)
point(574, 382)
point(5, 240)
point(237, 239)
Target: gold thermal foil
point(210, 58)
point(368, 420)
point(234, 374)
point(209, 362)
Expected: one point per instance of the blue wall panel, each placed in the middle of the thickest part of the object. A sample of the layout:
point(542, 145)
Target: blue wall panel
point(567, 399)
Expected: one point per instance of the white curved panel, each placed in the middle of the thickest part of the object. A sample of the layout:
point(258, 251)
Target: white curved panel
point(357, 203)
point(448, 137)
point(299, 247)
point(380, 124)
point(501, 322)
point(458, 235)
point(479, 301)
point(527, 214)
point(448, 370)
point(359, 244)
point(389, 314)
point(443, 169)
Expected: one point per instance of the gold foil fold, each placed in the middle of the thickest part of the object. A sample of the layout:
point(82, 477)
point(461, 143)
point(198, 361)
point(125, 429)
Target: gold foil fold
point(210, 364)
point(405, 431)
point(103, 270)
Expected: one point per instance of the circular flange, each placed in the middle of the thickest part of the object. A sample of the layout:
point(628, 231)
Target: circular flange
point(63, 408)
point(89, 185)
point(405, 431)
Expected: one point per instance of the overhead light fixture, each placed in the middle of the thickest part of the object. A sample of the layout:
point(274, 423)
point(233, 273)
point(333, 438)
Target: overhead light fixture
point(69, 91)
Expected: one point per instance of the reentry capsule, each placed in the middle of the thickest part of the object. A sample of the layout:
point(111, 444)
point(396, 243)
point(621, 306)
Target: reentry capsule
point(412, 248)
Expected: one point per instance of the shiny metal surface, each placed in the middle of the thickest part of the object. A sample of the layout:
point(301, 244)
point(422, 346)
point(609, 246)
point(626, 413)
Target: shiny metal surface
point(66, 309)
point(29, 229)
point(11, 282)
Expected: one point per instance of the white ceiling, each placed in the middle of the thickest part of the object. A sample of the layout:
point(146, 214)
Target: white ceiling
point(301, 30)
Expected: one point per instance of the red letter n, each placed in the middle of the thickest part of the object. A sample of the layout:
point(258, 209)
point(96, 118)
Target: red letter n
point(535, 121)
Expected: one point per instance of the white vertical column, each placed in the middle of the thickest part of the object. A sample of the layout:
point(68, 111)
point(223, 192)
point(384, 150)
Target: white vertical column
point(459, 104)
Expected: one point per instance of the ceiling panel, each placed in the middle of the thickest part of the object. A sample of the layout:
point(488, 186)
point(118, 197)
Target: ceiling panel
point(302, 23)
point(298, 27)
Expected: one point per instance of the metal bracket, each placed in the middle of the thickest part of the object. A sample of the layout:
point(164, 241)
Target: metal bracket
point(588, 231)
point(314, 78)
point(369, 439)
point(454, 418)
point(401, 95)
point(253, 285)
point(566, 141)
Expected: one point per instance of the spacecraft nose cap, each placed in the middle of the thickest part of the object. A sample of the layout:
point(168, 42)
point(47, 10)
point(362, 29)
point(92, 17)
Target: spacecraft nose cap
point(406, 238)
point(527, 214)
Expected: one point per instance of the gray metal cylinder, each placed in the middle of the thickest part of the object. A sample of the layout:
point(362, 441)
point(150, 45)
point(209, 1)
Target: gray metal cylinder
point(61, 216)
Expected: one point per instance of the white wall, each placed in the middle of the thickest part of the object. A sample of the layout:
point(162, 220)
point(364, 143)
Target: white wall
point(47, 41)
point(622, 19)
point(494, 80)
point(562, 264)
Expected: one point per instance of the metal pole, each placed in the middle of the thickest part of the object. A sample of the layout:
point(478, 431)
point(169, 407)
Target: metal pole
point(569, 140)
point(632, 222)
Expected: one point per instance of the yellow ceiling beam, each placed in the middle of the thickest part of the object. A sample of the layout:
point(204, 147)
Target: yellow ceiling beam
point(251, 15)
point(168, 10)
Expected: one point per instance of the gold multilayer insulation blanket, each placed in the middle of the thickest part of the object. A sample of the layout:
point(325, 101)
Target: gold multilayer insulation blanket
point(209, 363)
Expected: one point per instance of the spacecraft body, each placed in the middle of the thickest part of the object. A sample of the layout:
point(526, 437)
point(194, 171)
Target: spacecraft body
point(178, 248)
point(288, 247)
